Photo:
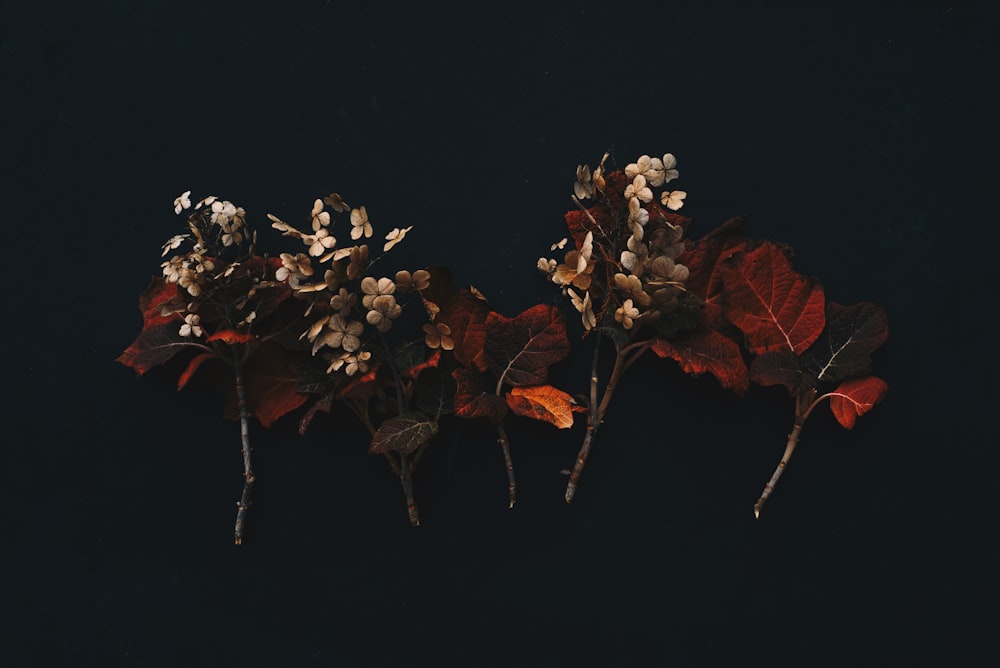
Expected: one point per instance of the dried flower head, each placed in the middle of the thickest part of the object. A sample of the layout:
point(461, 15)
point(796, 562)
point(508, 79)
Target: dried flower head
point(320, 218)
point(384, 310)
point(627, 314)
point(191, 326)
point(415, 282)
point(336, 202)
point(438, 335)
point(183, 201)
point(394, 237)
point(360, 225)
point(584, 186)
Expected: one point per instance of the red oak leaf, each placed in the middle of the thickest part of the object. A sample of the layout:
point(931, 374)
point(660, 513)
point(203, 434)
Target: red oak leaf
point(521, 349)
point(473, 400)
point(776, 307)
point(844, 349)
point(856, 397)
point(543, 402)
point(707, 351)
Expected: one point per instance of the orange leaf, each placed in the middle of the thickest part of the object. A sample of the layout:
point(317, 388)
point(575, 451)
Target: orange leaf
point(856, 397)
point(543, 402)
point(231, 336)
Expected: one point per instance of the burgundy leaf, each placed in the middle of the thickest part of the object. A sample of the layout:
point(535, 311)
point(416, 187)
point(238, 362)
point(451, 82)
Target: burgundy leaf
point(707, 351)
point(845, 347)
point(776, 307)
point(521, 349)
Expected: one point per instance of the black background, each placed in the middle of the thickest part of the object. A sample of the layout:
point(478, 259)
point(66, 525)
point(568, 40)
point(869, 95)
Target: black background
point(860, 134)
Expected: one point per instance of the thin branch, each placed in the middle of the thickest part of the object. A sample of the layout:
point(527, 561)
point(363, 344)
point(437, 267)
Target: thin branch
point(793, 440)
point(593, 420)
point(243, 504)
point(505, 446)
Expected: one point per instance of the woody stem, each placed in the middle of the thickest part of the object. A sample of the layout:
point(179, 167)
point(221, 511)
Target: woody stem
point(505, 446)
point(405, 469)
point(243, 504)
point(793, 440)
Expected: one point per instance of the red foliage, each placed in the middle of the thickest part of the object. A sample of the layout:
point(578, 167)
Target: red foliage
point(465, 314)
point(521, 349)
point(707, 351)
point(270, 385)
point(231, 337)
point(775, 307)
point(844, 350)
point(473, 399)
point(856, 397)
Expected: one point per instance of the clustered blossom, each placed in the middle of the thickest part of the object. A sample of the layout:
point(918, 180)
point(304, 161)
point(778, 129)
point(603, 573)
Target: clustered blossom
point(348, 305)
point(644, 281)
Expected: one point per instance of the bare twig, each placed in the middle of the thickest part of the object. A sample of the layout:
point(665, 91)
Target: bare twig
point(243, 504)
point(624, 358)
point(505, 446)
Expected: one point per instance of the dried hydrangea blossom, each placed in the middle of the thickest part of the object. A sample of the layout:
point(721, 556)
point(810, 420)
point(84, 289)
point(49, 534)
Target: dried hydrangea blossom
point(360, 225)
point(384, 310)
point(373, 288)
point(639, 189)
point(395, 236)
point(627, 314)
point(182, 202)
point(320, 218)
point(584, 186)
point(191, 325)
point(416, 282)
point(438, 335)
point(673, 200)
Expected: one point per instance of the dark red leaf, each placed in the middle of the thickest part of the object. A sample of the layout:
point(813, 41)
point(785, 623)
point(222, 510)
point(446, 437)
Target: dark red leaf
point(543, 402)
point(430, 363)
point(270, 385)
point(403, 434)
point(192, 367)
point(156, 345)
point(472, 399)
point(707, 351)
point(776, 307)
point(158, 297)
point(465, 314)
point(359, 386)
point(856, 397)
point(521, 349)
point(844, 349)
point(781, 367)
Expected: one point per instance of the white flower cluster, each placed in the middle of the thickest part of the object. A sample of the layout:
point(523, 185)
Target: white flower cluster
point(215, 225)
point(338, 333)
point(646, 279)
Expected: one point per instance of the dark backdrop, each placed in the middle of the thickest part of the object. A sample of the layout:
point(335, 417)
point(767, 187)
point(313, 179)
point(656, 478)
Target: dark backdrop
point(861, 134)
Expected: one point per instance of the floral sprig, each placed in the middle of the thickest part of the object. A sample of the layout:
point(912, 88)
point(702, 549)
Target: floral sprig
point(350, 313)
point(622, 275)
